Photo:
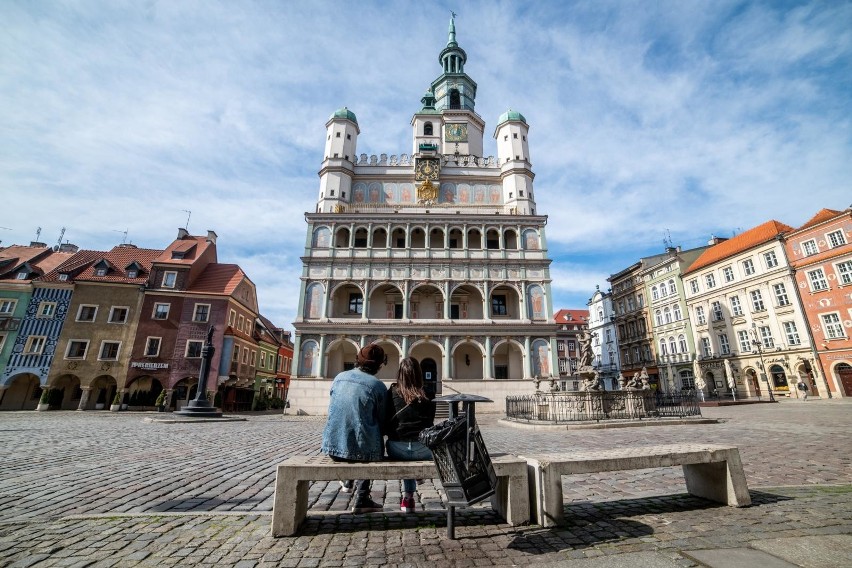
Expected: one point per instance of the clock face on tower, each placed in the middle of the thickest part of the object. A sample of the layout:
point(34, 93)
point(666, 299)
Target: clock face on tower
point(426, 169)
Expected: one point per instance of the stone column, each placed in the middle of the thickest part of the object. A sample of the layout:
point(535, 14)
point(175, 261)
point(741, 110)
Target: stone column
point(446, 368)
point(84, 398)
point(487, 371)
point(526, 357)
point(404, 346)
point(322, 358)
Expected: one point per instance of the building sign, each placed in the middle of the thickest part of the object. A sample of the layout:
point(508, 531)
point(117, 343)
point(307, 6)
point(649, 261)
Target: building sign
point(148, 365)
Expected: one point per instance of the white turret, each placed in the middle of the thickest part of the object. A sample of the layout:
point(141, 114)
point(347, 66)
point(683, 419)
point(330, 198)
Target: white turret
point(339, 160)
point(513, 156)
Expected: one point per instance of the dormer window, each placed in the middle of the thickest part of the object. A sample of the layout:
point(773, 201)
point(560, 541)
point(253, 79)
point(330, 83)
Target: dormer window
point(100, 272)
point(169, 279)
point(63, 277)
point(132, 273)
point(22, 275)
point(178, 254)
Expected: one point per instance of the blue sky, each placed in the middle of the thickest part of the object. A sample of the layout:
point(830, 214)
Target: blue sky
point(689, 118)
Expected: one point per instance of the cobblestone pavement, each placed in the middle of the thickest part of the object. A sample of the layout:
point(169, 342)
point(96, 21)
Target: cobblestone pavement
point(105, 489)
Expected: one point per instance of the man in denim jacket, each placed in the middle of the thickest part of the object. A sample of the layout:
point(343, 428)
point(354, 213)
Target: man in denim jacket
point(355, 420)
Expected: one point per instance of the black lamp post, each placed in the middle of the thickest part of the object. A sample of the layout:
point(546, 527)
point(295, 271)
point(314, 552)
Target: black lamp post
point(200, 406)
point(759, 346)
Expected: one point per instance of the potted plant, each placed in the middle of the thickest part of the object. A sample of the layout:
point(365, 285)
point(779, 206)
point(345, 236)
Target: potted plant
point(116, 403)
point(160, 403)
point(44, 401)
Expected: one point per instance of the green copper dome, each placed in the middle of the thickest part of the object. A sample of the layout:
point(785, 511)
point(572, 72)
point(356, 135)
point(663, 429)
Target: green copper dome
point(511, 115)
point(344, 113)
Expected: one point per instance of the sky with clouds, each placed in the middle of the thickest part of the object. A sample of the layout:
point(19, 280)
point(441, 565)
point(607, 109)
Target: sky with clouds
point(647, 119)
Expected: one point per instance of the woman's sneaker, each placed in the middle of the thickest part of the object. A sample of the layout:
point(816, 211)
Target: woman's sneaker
point(407, 505)
point(366, 506)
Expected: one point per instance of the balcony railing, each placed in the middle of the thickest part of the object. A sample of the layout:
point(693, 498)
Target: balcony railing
point(563, 406)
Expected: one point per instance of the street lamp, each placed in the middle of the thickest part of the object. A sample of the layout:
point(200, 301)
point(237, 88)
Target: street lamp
point(759, 346)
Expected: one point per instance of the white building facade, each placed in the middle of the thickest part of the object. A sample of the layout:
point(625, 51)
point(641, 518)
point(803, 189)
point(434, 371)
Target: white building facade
point(438, 255)
point(741, 297)
point(604, 338)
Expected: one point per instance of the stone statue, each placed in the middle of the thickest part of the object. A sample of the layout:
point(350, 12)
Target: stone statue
point(634, 383)
point(591, 382)
point(587, 356)
point(622, 381)
point(645, 379)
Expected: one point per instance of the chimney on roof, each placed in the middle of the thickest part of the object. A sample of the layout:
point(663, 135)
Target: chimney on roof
point(182, 233)
point(37, 244)
point(714, 240)
point(127, 246)
point(211, 237)
point(68, 247)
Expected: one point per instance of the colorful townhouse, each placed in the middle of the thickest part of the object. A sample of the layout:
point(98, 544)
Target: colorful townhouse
point(95, 344)
point(749, 329)
point(820, 252)
point(570, 325)
point(267, 363)
point(20, 389)
point(38, 336)
point(188, 292)
point(635, 339)
point(670, 324)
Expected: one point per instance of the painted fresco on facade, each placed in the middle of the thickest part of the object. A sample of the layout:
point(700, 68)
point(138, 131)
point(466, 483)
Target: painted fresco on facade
point(536, 302)
point(310, 350)
point(541, 358)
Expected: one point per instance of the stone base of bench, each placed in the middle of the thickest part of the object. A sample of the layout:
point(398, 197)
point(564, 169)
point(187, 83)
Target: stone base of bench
point(294, 475)
point(712, 472)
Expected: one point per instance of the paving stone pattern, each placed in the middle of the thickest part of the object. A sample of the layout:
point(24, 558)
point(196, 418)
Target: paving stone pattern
point(105, 489)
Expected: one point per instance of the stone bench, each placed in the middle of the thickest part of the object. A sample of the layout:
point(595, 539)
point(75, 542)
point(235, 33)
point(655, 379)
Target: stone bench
point(293, 477)
point(712, 472)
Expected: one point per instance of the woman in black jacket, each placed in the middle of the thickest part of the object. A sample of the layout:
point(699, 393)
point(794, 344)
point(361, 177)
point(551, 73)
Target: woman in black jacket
point(408, 411)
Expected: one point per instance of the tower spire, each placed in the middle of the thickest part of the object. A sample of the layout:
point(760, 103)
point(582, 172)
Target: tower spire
point(451, 40)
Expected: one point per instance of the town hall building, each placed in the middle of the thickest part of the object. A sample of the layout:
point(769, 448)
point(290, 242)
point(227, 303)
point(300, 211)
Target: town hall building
point(439, 255)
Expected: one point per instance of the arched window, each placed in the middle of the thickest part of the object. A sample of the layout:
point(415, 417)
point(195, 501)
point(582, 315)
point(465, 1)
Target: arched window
point(677, 315)
point(663, 291)
point(663, 349)
point(672, 287)
point(667, 315)
point(427, 129)
point(681, 339)
point(672, 345)
point(455, 99)
point(658, 317)
point(655, 294)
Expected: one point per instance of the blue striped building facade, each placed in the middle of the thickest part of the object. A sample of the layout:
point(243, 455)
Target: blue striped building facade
point(49, 327)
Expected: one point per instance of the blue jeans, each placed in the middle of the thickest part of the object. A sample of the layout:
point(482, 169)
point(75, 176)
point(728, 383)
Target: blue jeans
point(408, 451)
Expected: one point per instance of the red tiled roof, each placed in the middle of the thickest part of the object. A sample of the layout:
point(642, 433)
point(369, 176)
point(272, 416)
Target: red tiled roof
point(192, 246)
point(742, 242)
point(821, 216)
point(571, 316)
point(79, 261)
point(120, 258)
point(218, 279)
point(14, 256)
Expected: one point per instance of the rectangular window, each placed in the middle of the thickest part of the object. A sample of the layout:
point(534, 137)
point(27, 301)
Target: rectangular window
point(46, 309)
point(836, 238)
point(7, 307)
point(109, 350)
point(699, 315)
point(792, 333)
point(809, 247)
point(202, 313)
point(161, 311)
point(77, 349)
point(356, 303)
point(118, 314)
point(710, 280)
point(717, 311)
point(757, 301)
point(232, 318)
point(833, 326)
point(766, 337)
point(724, 346)
point(397, 312)
point(35, 345)
point(498, 305)
point(263, 359)
point(706, 347)
point(152, 347)
point(744, 341)
point(236, 355)
point(245, 355)
point(736, 306)
point(193, 349)
point(693, 285)
point(748, 267)
point(87, 313)
point(253, 358)
point(781, 294)
point(844, 272)
point(770, 259)
point(728, 273)
point(169, 279)
point(2, 341)
point(817, 280)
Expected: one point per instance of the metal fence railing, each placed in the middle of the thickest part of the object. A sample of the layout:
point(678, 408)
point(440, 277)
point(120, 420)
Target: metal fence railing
point(601, 405)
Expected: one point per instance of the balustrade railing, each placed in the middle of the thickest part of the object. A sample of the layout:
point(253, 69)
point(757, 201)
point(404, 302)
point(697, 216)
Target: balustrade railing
point(563, 406)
